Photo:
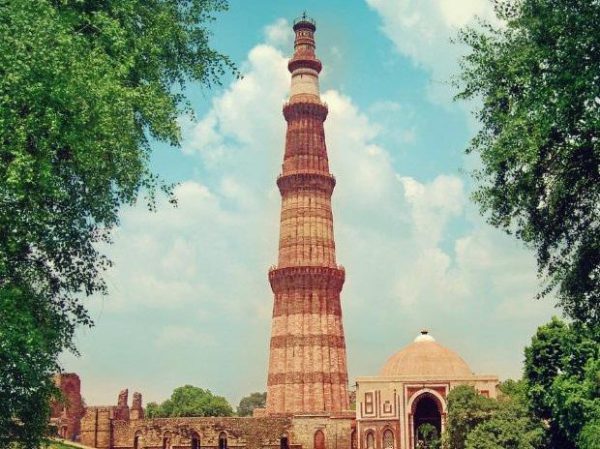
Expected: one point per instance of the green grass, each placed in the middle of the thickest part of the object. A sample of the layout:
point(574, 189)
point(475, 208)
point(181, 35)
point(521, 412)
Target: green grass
point(58, 445)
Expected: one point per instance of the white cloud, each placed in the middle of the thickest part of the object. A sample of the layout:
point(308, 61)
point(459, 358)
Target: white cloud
point(433, 205)
point(198, 272)
point(247, 117)
point(422, 30)
point(279, 34)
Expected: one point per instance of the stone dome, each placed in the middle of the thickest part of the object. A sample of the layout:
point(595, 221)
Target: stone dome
point(425, 357)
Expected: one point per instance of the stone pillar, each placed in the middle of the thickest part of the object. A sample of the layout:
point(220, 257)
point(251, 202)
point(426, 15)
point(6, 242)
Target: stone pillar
point(104, 428)
point(68, 410)
point(122, 410)
point(96, 427)
point(137, 411)
point(307, 364)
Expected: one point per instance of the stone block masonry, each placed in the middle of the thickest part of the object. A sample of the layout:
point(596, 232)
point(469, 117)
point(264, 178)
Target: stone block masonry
point(307, 363)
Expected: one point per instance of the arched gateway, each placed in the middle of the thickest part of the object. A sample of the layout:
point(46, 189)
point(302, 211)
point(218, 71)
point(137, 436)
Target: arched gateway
point(427, 418)
point(408, 397)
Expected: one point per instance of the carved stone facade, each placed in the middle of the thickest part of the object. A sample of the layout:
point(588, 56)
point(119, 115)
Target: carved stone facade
point(307, 363)
point(411, 390)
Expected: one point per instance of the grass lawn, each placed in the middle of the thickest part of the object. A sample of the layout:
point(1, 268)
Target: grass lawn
point(50, 444)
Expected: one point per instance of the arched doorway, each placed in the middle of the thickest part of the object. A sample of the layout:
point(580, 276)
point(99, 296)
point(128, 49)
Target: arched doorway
point(319, 440)
point(137, 440)
point(166, 444)
point(427, 420)
point(222, 440)
point(195, 441)
point(284, 442)
point(370, 440)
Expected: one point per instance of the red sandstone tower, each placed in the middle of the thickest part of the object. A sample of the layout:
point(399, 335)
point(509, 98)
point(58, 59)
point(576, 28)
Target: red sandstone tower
point(307, 364)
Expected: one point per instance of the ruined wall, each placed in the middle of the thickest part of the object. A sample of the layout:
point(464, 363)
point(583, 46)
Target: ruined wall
point(177, 433)
point(102, 428)
point(337, 431)
point(66, 412)
point(96, 427)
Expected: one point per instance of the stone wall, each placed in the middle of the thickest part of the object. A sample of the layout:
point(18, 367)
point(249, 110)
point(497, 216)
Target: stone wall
point(119, 427)
point(102, 429)
point(66, 412)
point(97, 426)
point(337, 430)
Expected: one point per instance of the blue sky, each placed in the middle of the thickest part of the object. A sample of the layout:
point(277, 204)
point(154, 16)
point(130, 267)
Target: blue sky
point(189, 299)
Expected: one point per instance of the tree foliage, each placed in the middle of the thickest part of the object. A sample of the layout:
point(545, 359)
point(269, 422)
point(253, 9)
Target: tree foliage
point(428, 437)
point(190, 401)
point(539, 78)
point(562, 374)
point(249, 403)
point(84, 86)
point(30, 337)
point(466, 410)
point(476, 422)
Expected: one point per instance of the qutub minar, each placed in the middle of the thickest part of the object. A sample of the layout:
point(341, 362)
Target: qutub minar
point(307, 363)
point(308, 403)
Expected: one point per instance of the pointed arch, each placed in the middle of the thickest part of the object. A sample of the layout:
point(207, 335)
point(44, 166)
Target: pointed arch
point(370, 439)
point(319, 440)
point(222, 440)
point(388, 439)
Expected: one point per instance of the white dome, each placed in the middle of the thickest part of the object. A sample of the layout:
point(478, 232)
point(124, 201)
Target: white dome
point(423, 336)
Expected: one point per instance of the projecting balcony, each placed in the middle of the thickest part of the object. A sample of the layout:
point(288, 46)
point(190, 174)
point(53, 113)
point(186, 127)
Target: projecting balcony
point(306, 172)
point(306, 179)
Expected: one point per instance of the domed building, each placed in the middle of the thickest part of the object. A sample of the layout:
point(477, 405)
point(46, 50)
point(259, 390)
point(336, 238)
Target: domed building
point(410, 391)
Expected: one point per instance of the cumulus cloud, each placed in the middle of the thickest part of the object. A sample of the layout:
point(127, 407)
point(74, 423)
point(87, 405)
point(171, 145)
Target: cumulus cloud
point(197, 272)
point(279, 34)
point(422, 30)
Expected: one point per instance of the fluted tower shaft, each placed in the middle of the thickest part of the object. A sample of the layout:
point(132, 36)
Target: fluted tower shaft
point(307, 364)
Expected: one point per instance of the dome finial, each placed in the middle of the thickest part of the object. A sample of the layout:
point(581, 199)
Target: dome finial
point(424, 336)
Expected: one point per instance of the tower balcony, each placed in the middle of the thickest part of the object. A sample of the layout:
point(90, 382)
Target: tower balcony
point(305, 105)
point(307, 277)
point(294, 181)
point(305, 61)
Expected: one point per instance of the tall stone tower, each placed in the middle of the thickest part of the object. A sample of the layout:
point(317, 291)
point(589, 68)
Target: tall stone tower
point(307, 364)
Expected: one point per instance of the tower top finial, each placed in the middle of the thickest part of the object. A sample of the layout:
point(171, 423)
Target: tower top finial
point(304, 21)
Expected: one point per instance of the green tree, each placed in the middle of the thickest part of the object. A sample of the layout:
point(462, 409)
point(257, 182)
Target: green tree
point(84, 87)
point(562, 374)
point(152, 410)
point(249, 403)
point(428, 437)
point(540, 138)
point(511, 425)
point(466, 410)
point(190, 401)
point(476, 422)
point(30, 338)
